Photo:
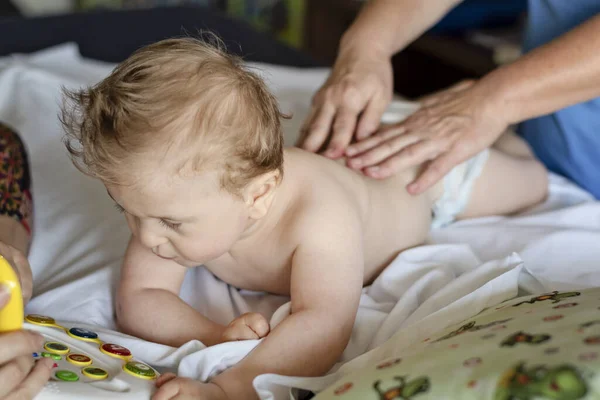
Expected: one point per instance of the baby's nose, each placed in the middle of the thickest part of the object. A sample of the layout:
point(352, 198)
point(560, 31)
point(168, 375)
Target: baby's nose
point(150, 239)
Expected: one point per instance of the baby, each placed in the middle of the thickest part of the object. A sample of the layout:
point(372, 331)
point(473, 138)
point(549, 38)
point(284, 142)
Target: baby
point(189, 145)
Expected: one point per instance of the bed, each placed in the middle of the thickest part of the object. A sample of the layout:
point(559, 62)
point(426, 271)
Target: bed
point(80, 238)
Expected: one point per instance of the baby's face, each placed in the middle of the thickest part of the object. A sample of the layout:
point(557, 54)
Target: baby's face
point(189, 220)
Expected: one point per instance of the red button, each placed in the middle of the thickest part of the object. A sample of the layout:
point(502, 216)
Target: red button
point(115, 350)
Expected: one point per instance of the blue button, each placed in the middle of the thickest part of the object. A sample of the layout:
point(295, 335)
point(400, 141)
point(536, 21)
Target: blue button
point(83, 333)
point(36, 355)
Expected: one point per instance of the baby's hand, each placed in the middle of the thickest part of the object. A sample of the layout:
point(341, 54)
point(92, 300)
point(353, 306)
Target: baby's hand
point(246, 327)
point(171, 387)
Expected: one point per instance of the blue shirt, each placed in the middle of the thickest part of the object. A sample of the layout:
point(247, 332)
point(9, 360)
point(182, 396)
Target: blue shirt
point(567, 141)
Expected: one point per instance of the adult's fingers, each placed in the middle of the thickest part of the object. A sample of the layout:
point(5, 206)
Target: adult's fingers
point(318, 126)
point(34, 382)
point(383, 150)
point(371, 116)
point(13, 373)
point(343, 129)
point(408, 157)
point(18, 343)
point(435, 171)
point(386, 133)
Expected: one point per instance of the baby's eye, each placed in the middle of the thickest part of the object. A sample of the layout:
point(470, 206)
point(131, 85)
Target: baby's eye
point(169, 225)
point(119, 208)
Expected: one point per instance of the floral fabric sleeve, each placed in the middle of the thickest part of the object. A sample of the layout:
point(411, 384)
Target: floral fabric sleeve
point(15, 178)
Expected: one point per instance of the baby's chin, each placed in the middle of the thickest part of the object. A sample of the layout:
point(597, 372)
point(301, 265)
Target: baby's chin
point(187, 263)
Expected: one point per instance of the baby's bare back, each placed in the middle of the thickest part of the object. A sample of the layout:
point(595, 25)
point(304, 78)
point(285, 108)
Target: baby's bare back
point(391, 220)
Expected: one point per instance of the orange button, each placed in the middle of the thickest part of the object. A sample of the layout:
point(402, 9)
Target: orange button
point(79, 359)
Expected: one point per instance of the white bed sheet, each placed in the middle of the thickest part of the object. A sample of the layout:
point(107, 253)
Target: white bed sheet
point(80, 239)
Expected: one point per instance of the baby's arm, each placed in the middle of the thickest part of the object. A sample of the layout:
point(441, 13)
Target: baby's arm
point(326, 284)
point(148, 303)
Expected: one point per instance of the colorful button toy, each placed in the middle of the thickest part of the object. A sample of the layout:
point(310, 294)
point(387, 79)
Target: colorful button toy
point(75, 374)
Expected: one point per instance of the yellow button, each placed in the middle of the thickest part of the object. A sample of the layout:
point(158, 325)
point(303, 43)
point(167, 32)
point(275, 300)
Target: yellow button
point(139, 370)
point(56, 348)
point(40, 320)
point(95, 373)
point(79, 359)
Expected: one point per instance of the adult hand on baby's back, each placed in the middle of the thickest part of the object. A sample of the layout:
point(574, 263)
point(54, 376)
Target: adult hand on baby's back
point(351, 102)
point(246, 327)
point(450, 127)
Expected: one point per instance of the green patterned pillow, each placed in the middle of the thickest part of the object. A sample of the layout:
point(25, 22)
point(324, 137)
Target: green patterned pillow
point(543, 347)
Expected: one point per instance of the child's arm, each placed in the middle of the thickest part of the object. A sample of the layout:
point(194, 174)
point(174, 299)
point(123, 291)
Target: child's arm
point(326, 284)
point(148, 303)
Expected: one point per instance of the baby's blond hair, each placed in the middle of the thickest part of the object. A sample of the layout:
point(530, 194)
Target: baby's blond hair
point(191, 99)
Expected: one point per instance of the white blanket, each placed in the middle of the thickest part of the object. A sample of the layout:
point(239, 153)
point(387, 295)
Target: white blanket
point(80, 239)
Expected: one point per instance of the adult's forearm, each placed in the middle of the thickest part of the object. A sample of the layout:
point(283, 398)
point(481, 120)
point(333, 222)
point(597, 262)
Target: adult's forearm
point(160, 316)
point(561, 73)
point(387, 26)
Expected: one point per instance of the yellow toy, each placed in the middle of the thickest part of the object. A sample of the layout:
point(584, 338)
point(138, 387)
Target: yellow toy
point(11, 315)
point(85, 367)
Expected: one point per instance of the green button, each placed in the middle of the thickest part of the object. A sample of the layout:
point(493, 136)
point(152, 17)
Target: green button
point(67, 376)
point(53, 356)
point(140, 369)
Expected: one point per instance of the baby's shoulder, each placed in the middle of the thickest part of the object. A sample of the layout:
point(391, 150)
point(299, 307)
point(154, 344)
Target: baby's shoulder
point(322, 213)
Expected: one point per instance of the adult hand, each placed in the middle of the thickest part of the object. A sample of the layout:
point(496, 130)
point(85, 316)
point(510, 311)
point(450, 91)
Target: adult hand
point(352, 99)
point(450, 127)
point(20, 378)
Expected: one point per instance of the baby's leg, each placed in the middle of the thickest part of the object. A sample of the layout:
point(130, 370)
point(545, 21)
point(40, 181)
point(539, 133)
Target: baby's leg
point(511, 180)
point(509, 143)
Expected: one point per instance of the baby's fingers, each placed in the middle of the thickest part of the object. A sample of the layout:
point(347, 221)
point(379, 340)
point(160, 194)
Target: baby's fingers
point(239, 332)
point(250, 326)
point(257, 323)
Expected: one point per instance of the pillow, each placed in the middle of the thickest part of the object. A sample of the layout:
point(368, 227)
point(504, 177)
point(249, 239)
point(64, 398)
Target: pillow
point(541, 347)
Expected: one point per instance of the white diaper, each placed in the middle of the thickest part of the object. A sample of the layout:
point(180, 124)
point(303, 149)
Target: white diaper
point(458, 185)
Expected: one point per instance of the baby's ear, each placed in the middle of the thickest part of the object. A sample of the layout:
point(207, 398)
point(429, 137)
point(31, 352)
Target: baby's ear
point(258, 194)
